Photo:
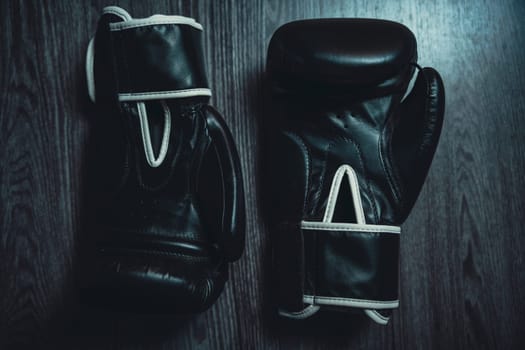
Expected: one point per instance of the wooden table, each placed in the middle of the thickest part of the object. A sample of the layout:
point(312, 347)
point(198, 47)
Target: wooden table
point(462, 250)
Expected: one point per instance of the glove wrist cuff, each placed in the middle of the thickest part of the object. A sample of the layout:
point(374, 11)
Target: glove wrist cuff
point(351, 265)
point(348, 265)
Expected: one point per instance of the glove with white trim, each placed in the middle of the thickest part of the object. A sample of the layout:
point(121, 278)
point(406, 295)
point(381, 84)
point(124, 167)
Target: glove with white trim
point(165, 186)
point(349, 146)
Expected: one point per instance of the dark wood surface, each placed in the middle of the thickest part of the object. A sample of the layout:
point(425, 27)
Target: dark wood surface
point(463, 246)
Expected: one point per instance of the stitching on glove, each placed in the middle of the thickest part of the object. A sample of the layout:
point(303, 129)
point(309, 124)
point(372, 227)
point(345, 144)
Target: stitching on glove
point(306, 151)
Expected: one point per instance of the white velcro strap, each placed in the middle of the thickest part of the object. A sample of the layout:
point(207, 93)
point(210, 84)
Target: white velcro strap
point(90, 74)
point(300, 315)
point(343, 226)
point(361, 225)
point(369, 306)
point(350, 302)
point(154, 20)
point(117, 11)
point(130, 22)
point(377, 317)
point(153, 161)
point(163, 95)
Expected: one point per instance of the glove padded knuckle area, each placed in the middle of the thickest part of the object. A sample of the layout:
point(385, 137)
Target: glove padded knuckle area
point(339, 56)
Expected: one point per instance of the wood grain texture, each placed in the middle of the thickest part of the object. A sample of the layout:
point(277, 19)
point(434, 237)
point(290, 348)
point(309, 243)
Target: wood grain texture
point(462, 252)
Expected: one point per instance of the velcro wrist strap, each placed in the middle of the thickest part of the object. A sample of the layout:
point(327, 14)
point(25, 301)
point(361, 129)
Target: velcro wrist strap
point(342, 265)
point(158, 57)
point(351, 265)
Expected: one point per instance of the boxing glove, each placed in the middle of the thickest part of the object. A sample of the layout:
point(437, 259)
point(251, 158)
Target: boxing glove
point(349, 143)
point(165, 191)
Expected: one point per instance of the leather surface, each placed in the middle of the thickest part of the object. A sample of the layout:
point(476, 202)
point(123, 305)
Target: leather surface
point(161, 237)
point(361, 263)
point(358, 71)
point(337, 57)
point(158, 58)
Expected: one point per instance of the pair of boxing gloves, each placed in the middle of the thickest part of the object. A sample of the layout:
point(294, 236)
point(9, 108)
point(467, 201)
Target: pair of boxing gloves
point(348, 140)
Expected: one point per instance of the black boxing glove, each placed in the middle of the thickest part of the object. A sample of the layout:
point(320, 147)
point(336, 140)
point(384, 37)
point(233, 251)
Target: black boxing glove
point(350, 143)
point(165, 186)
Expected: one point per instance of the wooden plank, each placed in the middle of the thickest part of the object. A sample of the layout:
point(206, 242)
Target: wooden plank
point(462, 266)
